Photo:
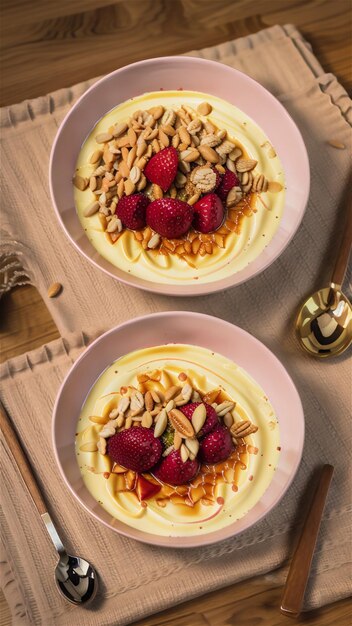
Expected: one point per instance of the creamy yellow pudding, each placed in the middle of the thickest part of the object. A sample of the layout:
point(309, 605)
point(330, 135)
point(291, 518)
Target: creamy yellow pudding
point(248, 227)
point(222, 493)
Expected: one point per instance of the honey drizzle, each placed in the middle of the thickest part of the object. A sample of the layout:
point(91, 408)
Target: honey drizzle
point(200, 490)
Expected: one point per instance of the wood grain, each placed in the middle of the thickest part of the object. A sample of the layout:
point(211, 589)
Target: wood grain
point(21, 461)
point(85, 38)
point(48, 45)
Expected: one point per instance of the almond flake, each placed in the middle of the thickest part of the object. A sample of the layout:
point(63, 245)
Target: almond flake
point(198, 417)
point(161, 423)
point(184, 452)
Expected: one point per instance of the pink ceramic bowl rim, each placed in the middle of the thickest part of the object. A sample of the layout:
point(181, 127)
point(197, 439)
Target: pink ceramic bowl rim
point(263, 108)
point(197, 329)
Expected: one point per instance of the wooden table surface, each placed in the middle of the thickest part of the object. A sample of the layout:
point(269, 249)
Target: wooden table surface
point(47, 45)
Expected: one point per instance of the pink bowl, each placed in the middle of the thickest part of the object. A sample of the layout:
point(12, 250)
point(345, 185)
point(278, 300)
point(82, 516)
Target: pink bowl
point(197, 75)
point(190, 328)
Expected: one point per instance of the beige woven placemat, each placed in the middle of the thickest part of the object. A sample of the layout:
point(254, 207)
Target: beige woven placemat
point(138, 579)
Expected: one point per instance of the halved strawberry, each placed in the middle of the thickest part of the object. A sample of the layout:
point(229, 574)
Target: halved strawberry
point(208, 213)
point(136, 448)
point(131, 210)
point(162, 168)
point(173, 471)
point(228, 180)
point(146, 489)
point(216, 446)
point(169, 217)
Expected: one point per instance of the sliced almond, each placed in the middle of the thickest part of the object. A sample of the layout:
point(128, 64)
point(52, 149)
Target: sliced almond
point(80, 182)
point(101, 445)
point(54, 290)
point(169, 117)
point(129, 187)
point(91, 209)
point(114, 414)
point(154, 241)
point(177, 440)
point(147, 419)
point(228, 420)
point(124, 169)
point(184, 452)
point(128, 422)
point(103, 137)
point(135, 174)
point(155, 396)
point(192, 445)
point(91, 446)
point(132, 137)
point(181, 423)
point(131, 157)
point(164, 139)
point(245, 165)
point(171, 392)
point(148, 401)
point(208, 154)
point(161, 423)
point(204, 108)
point(123, 404)
point(156, 112)
point(157, 192)
point(193, 199)
point(190, 155)
point(168, 451)
point(184, 135)
point(169, 130)
point(198, 417)
point(334, 143)
point(119, 129)
point(120, 420)
point(170, 405)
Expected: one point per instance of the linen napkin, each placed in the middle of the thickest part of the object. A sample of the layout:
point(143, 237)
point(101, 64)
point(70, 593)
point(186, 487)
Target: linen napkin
point(136, 579)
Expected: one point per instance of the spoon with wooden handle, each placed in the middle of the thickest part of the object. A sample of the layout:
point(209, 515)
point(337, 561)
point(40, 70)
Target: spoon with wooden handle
point(75, 578)
point(297, 578)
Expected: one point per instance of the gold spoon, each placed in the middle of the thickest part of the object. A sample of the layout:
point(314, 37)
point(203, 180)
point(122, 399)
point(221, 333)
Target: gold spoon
point(324, 323)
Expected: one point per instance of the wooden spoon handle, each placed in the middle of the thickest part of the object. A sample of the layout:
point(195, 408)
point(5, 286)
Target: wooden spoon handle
point(296, 582)
point(344, 251)
point(21, 461)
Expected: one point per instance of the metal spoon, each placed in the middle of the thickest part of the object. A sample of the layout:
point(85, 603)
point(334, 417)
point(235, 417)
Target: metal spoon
point(324, 322)
point(75, 577)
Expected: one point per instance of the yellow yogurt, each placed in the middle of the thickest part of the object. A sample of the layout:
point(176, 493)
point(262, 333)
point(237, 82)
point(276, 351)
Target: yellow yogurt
point(207, 371)
point(256, 231)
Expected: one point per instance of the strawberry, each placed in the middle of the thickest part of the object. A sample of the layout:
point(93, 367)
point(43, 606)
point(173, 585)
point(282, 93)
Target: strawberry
point(211, 419)
point(135, 448)
point(216, 446)
point(173, 471)
point(131, 210)
point(169, 217)
point(146, 489)
point(208, 213)
point(228, 180)
point(162, 168)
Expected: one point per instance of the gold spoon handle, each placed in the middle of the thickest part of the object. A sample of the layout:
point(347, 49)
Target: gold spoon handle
point(345, 249)
point(296, 582)
point(21, 461)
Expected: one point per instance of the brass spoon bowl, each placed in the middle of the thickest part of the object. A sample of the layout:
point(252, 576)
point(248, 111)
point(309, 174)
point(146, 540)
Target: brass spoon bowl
point(324, 322)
